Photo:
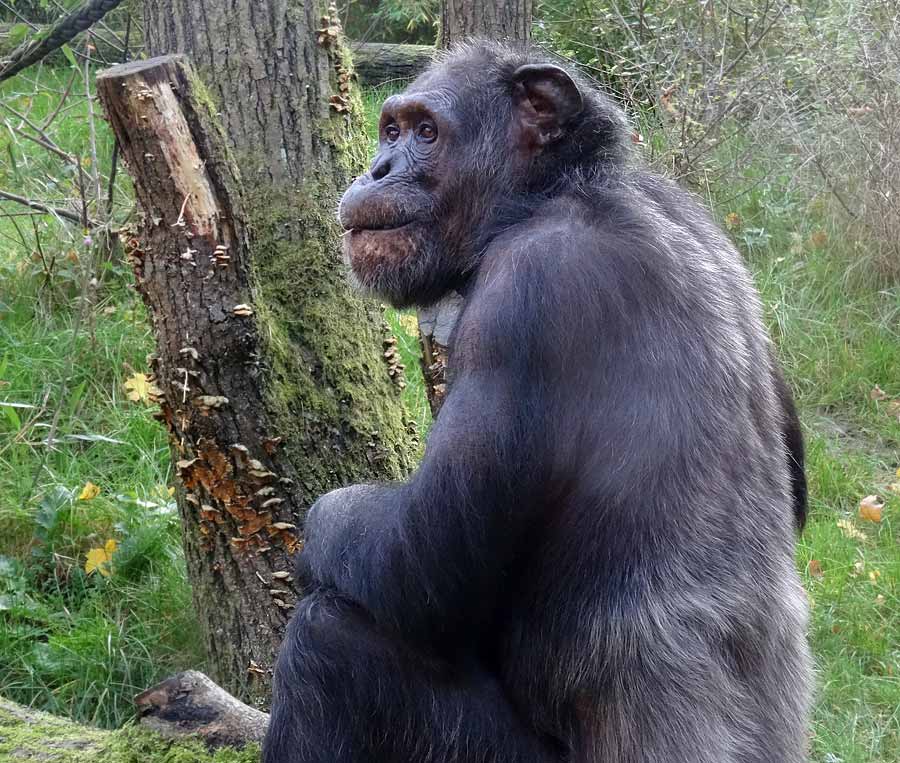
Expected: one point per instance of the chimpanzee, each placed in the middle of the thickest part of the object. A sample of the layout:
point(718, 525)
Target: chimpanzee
point(594, 560)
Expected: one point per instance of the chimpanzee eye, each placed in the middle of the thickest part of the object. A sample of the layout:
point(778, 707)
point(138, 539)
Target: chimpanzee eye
point(392, 132)
point(427, 131)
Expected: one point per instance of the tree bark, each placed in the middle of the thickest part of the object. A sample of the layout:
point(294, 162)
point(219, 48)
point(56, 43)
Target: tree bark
point(492, 19)
point(271, 375)
point(184, 718)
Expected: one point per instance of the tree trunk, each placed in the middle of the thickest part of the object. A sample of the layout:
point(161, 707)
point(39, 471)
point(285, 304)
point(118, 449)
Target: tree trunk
point(497, 20)
point(272, 376)
point(184, 718)
point(492, 19)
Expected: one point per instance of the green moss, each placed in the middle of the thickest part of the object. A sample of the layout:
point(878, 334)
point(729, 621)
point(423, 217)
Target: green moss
point(348, 133)
point(133, 745)
point(49, 738)
point(328, 386)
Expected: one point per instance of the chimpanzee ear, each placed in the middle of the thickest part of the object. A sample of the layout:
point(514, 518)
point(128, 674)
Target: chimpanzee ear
point(546, 99)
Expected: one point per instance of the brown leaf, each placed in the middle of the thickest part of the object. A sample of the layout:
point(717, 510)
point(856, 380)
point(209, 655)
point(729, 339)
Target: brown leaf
point(870, 508)
point(877, 393)
point(818, 239)
point(814, 568)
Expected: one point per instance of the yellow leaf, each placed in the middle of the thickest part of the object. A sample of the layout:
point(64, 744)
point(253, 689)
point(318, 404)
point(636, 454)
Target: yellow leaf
point(850, 530)
point(410, 324)
point(110, 547)
point(140, 389)
point(89, 492)
point(97, 560)
point(870, 508)
point(733, 221)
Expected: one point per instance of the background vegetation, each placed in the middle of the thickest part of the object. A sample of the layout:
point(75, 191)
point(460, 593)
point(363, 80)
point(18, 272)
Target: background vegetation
point(784, 117)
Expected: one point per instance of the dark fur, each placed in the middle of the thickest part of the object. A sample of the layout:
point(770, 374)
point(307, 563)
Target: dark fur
point(594, 561)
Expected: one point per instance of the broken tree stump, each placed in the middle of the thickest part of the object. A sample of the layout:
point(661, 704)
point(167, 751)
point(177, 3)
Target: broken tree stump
point(191, 259)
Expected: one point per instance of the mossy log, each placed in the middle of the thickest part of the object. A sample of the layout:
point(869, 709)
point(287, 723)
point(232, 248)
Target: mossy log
point(389, 64)
point(185, 719)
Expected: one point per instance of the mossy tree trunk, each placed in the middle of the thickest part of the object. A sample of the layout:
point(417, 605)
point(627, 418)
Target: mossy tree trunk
point(272, 375)
point(508, 20)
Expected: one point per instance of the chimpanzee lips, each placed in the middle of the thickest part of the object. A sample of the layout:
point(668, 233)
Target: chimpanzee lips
point(385, 227)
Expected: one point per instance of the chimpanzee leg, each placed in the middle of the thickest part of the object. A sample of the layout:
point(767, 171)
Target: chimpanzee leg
point(346, 693)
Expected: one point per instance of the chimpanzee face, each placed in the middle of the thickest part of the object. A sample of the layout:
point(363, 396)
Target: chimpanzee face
point(450, 149)
point(390, 212)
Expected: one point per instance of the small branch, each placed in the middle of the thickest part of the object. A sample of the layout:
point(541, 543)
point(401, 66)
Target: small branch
point(114, 159)
point(58, 212)
point(49, 120)
point(92, 132)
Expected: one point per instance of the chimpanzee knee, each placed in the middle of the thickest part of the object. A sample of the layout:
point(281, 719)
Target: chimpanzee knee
point(314, 676)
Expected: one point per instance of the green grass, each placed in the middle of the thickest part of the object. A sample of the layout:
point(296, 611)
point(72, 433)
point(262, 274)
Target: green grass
point(82, 645)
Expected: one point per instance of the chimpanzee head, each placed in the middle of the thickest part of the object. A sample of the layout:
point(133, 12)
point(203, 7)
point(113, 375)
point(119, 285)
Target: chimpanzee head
point(470, 148)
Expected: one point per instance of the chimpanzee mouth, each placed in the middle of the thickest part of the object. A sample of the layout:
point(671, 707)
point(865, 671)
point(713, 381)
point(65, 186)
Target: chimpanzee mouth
point(379, 228)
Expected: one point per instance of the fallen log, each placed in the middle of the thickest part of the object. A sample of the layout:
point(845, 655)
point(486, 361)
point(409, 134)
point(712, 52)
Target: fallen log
point(186, 717)
point(377, 63)
point(382, 63)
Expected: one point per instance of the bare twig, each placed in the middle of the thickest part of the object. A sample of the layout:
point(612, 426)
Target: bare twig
point(55, 211)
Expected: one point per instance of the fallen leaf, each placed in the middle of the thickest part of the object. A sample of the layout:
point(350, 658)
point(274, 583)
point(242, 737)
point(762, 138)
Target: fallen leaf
point(89, 492)
point(877, 393)
point(870, 508)
point(819, 238)
point(410, 324)
point(850, 530)
point(98, 559)
point(814, 568)
point(140, 389)
point(732, 221)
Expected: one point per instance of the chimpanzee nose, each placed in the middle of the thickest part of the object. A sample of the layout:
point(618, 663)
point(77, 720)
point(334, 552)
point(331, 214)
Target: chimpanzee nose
point(380, 167)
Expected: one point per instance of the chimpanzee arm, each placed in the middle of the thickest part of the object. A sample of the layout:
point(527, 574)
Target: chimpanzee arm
point(428, 556)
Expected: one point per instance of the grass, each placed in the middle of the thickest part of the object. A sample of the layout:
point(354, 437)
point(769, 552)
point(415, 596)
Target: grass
point(82, 644)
